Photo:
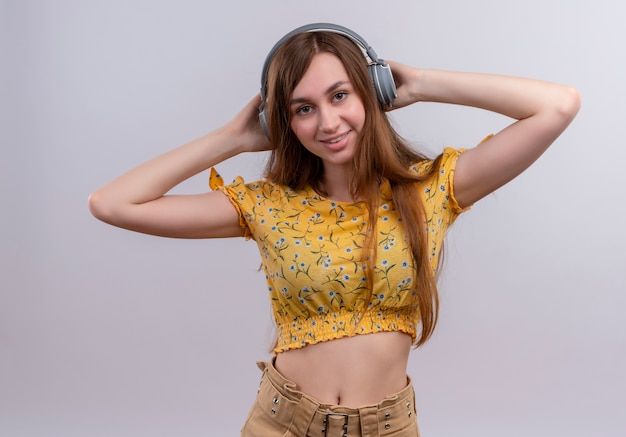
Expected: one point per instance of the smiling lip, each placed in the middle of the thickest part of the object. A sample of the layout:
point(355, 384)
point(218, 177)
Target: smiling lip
point(335, 140)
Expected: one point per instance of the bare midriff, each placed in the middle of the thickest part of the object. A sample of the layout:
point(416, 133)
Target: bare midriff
point(353, 371)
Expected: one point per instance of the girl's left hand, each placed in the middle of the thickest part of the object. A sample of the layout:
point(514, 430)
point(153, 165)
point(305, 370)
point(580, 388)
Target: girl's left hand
point(407, 80)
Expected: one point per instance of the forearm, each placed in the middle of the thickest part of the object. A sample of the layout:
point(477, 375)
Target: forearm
point(156, 177)
point(515, 97)
point(153, 179)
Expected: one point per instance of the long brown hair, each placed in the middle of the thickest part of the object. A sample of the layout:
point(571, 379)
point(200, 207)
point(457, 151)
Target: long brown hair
point(381, 155)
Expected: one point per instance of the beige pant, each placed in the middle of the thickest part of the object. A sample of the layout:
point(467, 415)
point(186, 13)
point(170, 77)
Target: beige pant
point(282, 411)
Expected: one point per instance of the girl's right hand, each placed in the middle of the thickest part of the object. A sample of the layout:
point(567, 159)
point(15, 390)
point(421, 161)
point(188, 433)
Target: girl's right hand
point(247, 128)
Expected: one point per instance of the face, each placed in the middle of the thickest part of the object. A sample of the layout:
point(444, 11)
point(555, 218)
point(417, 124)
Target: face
point(326, 113)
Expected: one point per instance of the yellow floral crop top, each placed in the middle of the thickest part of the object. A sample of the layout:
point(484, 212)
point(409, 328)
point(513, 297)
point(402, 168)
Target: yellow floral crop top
point(311, 249)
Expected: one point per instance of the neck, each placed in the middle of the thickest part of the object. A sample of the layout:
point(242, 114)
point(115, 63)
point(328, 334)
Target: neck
point(336, 185)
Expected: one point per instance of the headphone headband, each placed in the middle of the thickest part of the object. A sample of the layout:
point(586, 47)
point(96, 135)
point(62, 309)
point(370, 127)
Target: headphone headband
point(317, 27)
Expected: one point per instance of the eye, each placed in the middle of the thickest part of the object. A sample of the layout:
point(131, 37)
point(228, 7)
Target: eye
point(304, 110)
point(341, 95)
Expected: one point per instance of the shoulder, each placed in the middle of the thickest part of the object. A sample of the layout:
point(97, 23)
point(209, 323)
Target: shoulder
point(445, 163)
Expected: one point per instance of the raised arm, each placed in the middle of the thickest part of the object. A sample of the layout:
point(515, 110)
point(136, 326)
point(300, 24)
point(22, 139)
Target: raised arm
point(542, 111)
point(137, 200)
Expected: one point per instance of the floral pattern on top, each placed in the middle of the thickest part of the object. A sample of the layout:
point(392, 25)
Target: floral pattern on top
point(310, 248)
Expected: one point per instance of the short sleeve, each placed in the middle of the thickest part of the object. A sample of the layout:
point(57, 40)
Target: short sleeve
point(446, 176)
point(439, 188)
point(240, 195)
point(437, 192)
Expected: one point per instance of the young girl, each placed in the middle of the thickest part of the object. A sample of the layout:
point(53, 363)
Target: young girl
point(349, 219)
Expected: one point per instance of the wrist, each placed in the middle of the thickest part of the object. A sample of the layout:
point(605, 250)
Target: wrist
point(229, 139)
point(419, 77)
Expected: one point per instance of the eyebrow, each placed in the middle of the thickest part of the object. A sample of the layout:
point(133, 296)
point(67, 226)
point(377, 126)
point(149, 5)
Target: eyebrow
point(329, 90)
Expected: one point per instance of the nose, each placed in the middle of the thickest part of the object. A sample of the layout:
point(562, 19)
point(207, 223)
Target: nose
point(328, 119)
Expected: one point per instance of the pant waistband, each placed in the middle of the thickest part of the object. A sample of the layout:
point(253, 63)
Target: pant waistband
point(305, 416)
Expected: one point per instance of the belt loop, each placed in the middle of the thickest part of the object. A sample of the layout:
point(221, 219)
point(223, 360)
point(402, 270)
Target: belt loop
point(303, 416)
point(369, 421)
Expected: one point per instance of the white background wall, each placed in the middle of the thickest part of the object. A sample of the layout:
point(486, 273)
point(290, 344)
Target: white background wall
point(108, 333)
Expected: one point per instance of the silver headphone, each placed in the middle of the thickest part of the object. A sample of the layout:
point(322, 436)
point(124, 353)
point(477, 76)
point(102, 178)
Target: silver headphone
point(379, 71)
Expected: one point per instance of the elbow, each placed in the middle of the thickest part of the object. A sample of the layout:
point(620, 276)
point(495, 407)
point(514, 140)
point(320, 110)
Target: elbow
point(99, 207)
point(569, 104)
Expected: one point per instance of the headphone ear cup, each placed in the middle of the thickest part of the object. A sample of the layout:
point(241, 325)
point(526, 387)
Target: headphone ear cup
point(263, 120)
point(383, 83)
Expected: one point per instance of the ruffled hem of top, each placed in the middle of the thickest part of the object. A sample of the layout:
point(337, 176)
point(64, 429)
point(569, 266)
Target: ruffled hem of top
point(319, 328)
